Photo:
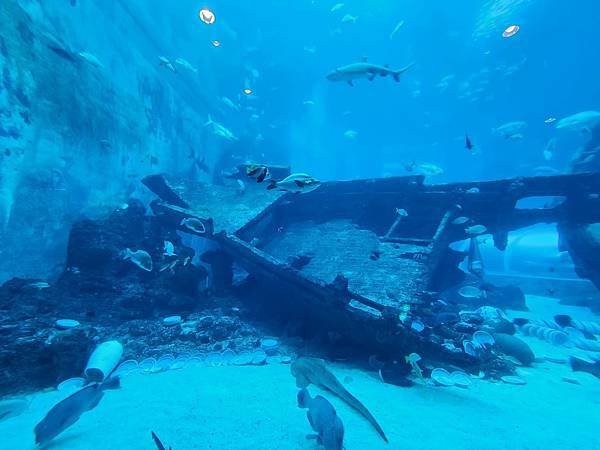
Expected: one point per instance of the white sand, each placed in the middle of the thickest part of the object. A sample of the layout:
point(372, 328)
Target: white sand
point(255, 408)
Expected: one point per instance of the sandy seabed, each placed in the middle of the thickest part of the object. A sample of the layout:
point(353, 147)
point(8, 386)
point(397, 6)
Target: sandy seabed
point(251, 407)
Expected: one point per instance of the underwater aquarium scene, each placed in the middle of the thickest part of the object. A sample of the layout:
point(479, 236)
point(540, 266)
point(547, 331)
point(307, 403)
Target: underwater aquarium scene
point(299, 225)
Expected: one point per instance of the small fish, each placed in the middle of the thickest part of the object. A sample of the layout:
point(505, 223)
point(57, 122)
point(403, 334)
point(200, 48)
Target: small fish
point(193, 224)
point(409, 167)
point(550, 120)
point(473, 190)
point(68, 411)
point(38, 285)
point(474, 260)
point(241, 187)
point(91, 59)
point(401, 212)
point(471, 292)
point(510, 129)
point(429, 169)
point(308, 102)
point(349, 19)
point(297, 182)
point(468, 143)
point(163, 61)
point(396, 28)
point(157, 441)
point(220, 130)
point(201, 165)
point(323, 419)
point(337, 7)
point(515, 137)
point(417, 325)
point(350, 134)
point(169, 266)
point(460, 220)
point(186, 64)
point(474, 230)
point(140, 258)
point(216, 43)
point(260, 172)
point(247, 91)
point(228, 102)
point(169, 249)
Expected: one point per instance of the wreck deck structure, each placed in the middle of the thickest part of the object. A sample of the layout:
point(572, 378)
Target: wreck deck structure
point(361, 257)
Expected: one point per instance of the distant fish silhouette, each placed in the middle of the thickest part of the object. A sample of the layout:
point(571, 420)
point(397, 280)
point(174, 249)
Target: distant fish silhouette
point(468, 143)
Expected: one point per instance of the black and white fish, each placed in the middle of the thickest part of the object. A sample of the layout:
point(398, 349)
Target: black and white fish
point(258, 171)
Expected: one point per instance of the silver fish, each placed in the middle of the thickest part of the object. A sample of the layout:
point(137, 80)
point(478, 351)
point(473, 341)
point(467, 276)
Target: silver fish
point(140, 258)
point(297, 182)
point(366, 70)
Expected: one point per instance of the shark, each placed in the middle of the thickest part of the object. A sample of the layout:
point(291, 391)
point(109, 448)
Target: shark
point(313, 370)
point(364, 69)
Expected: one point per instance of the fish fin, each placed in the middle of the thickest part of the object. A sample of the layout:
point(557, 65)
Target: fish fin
point(95, 402)
point(401, 71)
point(261, 177)
point(272, 185)
point(350, 83)
point(301, 381)
point(372, 77)
point(157, 441)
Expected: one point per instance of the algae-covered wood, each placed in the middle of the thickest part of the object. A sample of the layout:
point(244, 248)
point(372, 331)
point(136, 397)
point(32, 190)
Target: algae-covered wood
point(230, 206)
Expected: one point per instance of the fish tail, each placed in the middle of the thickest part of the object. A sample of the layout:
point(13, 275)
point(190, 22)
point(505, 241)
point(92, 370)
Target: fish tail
point(362, 409)
point(272, 185)
point(209, 121)
point(401, 71)
point(126, 254)
point(579, 365)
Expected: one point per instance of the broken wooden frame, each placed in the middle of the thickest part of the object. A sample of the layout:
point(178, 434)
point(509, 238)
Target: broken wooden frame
point(415, 244)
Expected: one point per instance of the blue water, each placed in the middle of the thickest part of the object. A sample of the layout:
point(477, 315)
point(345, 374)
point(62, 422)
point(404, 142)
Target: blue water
point(97, 96)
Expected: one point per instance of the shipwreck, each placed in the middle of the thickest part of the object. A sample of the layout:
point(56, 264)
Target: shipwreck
point(361, 258)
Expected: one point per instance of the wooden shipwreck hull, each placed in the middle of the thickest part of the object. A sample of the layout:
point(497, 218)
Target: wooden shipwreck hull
point(362, 257)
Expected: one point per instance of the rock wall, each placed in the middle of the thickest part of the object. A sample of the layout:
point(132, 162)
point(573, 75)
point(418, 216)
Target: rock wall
point(85, 112)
